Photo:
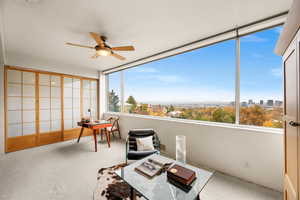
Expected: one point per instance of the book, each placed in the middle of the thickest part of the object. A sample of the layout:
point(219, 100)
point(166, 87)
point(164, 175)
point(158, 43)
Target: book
point(149, 168)
point(181, 174)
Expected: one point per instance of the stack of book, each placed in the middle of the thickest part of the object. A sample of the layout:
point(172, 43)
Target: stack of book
point(181, 177)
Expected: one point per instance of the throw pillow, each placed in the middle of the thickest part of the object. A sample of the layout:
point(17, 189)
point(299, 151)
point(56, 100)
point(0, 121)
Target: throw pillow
point(145, 144)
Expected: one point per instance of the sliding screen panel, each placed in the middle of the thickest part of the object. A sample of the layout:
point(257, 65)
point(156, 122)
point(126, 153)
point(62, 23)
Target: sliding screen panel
point(90, 98)
point(44, 98)
point(76, 102)
point(20, 103)
point(68, 103)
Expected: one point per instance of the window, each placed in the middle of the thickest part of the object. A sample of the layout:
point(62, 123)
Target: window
point(90, 98)
point(261, 80)
point(114, 92)
point(197, 85)
point(201, 84)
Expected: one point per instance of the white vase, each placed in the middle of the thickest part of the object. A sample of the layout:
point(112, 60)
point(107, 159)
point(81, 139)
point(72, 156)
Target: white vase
point(180, 149)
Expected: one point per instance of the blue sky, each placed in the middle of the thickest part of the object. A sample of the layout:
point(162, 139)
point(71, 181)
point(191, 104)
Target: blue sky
point(208, 74)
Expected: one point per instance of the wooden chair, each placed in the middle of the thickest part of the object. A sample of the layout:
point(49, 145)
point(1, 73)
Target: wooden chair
point(114, 128)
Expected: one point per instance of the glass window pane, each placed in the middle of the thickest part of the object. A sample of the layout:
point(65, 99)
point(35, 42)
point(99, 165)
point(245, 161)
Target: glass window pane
point(29, 78)
point(114, 92)
point(14, 103)
point(14, 130)
point(196, 85)
point(14, 76)
point(261, 80)
point(44, 79)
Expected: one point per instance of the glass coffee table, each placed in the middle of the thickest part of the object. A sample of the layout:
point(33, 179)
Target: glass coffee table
point(158, 188)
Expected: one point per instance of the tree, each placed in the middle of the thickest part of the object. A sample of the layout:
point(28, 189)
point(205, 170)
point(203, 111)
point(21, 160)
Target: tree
point(254, 115)
point(221, 115)
point(170, 109)
point(113, 100)
point(133, 103)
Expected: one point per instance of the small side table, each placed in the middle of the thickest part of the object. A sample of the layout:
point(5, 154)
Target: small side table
point(96, 125)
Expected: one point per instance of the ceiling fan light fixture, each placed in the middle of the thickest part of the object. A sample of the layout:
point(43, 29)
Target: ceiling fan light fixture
point(103, 52)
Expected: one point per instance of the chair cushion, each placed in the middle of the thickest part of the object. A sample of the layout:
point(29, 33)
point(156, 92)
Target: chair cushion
point(145, 143)
point(136, 155)
point(141, 132)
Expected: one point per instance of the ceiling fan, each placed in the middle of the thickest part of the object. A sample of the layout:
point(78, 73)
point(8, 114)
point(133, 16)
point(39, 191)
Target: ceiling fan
point(102, 49)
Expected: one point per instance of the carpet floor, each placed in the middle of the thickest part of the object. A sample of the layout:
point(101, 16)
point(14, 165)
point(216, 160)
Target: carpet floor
point(68, 171)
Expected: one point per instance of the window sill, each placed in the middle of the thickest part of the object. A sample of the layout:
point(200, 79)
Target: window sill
point(204, 123)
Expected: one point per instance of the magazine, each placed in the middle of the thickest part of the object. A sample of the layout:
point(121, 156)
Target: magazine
point(150, 168)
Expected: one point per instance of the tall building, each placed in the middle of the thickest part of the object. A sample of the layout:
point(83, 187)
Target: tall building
point(261, 102)
point(270, 103)
point(250, 101)
point(278, 103)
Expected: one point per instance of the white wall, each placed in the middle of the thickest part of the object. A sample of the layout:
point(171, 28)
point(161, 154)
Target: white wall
point(251, 155)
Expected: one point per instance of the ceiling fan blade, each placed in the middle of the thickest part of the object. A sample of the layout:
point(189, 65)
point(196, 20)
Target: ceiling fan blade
point(97, 38)
point(118, 56)
point(95, 56)
point(79, 45)
point(123, 48)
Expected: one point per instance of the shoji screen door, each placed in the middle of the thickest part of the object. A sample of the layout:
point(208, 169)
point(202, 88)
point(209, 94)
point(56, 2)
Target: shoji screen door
point(44, 107)
point(50, 113)
point(20, 109)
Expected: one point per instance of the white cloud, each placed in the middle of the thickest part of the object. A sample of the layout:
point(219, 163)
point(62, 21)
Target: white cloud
point(277, 72)
point(146, 70)
point(278, 29)
point(253, 38)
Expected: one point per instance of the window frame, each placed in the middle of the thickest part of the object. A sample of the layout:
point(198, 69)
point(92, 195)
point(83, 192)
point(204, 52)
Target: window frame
point(237, 107)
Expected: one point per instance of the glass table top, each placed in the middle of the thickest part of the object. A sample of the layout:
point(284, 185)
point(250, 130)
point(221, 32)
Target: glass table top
point(158, 187)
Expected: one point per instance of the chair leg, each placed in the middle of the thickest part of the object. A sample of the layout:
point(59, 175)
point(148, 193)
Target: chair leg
point(119, 134)
point(81, 131)
point(107, 133)
point(95, 139)
point(101, 133)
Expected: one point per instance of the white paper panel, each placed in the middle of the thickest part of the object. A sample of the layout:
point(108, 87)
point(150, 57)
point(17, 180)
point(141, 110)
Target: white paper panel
point(68, 92)
point(76, 93)
point(14, 117)
point(44, 103)
point(29, 128)
point(44, 115)
point(28, 103)
point(14, 76)
point(56, 125)
point(68, 103)
point(14, 103)
point(28, 116)
point(86, 93)
point(68, 82)
point(76, 103)
point(44, 91)
point(94, 85)
point(86, 84)
point(55, 103)
point(76, 83)
point(44, 126)
point(68, 114)
point(67, 124)
point(29, 78)
point(14, 130)
point(55, 92)
point(55, 114)
point(14, 90)
point(55, 81)
point(44, 79)
point(28, 90)
point(94, 94)
point(76, 113)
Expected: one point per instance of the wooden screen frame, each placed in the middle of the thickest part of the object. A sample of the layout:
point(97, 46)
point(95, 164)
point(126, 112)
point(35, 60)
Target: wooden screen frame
point(37, 139)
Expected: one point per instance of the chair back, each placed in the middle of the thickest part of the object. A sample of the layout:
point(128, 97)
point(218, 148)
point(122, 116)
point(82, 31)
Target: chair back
point(140, 133)
point(115, 122)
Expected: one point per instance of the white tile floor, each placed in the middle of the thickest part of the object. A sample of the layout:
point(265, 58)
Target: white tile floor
point(68, 171)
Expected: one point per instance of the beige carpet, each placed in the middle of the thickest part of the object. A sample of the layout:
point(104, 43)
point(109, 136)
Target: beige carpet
point(68, 171)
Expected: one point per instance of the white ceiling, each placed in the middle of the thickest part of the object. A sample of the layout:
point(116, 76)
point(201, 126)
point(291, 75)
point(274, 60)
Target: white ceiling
point(35, 30)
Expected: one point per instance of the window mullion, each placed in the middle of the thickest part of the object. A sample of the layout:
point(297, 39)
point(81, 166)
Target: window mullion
point(237, 81)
